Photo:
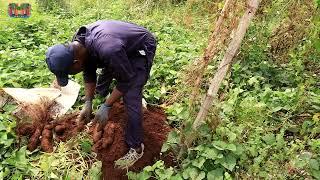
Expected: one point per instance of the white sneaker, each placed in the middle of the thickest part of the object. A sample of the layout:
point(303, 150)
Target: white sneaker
point(129, 159)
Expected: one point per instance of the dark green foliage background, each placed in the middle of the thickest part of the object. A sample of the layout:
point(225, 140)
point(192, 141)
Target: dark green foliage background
point(269, 116)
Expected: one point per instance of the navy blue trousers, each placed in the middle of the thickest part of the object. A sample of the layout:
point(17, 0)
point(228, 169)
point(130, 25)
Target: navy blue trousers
point(133, 98)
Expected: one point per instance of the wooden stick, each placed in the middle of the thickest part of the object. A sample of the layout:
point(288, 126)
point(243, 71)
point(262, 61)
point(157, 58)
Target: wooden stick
point(226, 62)
point(211, 49)
point(223, 69)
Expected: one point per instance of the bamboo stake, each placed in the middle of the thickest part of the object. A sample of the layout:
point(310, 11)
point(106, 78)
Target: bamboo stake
point(226, 62)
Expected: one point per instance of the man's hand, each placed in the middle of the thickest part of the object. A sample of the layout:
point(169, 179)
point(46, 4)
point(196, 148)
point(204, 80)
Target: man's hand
point(86, 111)
point(102, 115)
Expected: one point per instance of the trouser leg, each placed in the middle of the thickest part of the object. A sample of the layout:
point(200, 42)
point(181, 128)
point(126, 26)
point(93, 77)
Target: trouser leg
point(133, 98)
point(133, 103)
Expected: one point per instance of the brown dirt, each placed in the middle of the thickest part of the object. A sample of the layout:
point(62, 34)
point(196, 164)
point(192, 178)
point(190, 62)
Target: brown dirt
point(26, 129)
point(112, 145)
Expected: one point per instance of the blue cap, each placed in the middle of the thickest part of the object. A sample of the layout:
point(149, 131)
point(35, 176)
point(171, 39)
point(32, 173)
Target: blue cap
point(59, 59)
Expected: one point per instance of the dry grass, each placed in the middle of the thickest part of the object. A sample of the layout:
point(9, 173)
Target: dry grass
point(39, 113)
point(192, 78)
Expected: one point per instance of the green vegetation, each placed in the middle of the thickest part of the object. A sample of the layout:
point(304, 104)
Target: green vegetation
point(269, 106)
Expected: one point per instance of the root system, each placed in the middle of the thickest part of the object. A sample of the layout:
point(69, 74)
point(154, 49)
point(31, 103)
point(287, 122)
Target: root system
point(43, 127)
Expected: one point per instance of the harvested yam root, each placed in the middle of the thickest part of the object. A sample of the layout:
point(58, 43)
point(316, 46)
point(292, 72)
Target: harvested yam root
point(46, 140)
point(67, 127)
point(108, 135)
point(40, 114)
point(97, 146)
point(81, 125)
point(34, 140)
point(43, 125)
point(59, 129)
point(26, 129)
point(97, 134)
point(105, 140)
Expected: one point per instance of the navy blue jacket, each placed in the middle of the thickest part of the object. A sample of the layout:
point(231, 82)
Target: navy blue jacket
point(111, 44)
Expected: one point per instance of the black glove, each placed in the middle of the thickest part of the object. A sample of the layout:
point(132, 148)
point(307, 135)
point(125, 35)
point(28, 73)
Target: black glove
point(102, 114)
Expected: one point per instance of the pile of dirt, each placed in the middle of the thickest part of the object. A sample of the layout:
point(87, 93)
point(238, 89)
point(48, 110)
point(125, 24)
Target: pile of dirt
point(43, 129)
point(112, 146)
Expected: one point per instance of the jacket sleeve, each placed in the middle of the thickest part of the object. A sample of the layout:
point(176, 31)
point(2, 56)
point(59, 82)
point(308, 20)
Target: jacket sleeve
point(112, 52)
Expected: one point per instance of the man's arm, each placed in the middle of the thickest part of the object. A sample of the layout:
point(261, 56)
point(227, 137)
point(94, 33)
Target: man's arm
point(114, 96)
point(89, 77)
point(89, 90)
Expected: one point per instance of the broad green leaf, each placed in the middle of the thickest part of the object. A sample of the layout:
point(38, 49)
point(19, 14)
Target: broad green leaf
point(231, 147)
point(314, 164)
point(210, 153)
point(216, 174)
point(148, 168)
point(190, 173)
point(18, 158)
point(227, 176)
point(315, 173)
point(231, 136)
point(2, 127)
point(305, 155)
point(229, 162)
point(199, 162)
point(299, 163)
point(164, 173)
point(86, 146)
point(201, 175)
point(176, 177)
point(269, 138)
point(220, 145)
point(173, 137)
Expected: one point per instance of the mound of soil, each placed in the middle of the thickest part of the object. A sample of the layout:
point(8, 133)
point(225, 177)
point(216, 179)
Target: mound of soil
point(111, 146)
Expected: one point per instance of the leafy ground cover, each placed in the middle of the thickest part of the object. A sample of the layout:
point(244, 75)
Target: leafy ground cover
point(269, 106)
